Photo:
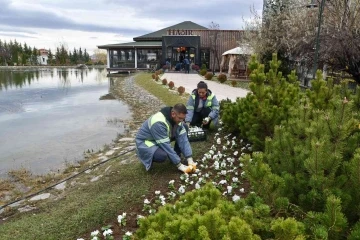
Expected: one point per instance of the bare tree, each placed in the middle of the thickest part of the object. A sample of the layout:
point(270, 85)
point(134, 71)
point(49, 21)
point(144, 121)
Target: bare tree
point(214, 44)
point(293, 31)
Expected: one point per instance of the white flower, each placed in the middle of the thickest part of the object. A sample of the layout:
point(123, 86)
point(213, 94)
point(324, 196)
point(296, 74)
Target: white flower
point(223, 172)
point(218, 141)
point(128, 234)
point(107, 232)
point(234, 137)
point(139, 216)
point(197, 186)
point(223, 165)
point(146, 201)
point(157, 192)
point(95, 233)
point(243, 174)
point(182, 189)
point(223, 182)
point(241, 165)
point(235, 198)
point(242, 190)
point(224, 148)
point(211, 152)
point(120, 218)
point(172, 194)
point(228, 143)
point(171, 181)
point(235, 179)
point(229, 189)
point(236, 153)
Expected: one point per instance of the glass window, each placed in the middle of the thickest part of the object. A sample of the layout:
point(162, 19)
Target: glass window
point(205, 57)
point(122, 58)
point(149, 58)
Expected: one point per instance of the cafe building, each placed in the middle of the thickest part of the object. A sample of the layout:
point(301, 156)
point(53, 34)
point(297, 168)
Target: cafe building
point(172, 44)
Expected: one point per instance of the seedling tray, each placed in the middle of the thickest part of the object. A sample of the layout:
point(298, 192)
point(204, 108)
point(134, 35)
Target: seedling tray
point(197, 134)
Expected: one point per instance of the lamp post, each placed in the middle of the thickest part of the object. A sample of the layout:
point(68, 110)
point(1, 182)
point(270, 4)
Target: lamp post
point(317, 46)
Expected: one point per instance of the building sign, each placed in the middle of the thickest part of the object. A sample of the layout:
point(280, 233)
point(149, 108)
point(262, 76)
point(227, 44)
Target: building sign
point(179, 32)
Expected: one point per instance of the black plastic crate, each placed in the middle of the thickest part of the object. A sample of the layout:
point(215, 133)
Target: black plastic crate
point(197, 135)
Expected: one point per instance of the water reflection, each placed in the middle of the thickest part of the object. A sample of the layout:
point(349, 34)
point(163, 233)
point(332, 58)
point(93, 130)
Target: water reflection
point(49, 116)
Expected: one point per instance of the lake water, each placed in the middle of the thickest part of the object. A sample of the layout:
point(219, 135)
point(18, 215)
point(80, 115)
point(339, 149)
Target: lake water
point(49, 117)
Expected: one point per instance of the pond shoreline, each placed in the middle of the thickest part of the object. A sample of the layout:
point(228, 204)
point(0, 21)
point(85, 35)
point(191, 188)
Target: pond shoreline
point(46, 66)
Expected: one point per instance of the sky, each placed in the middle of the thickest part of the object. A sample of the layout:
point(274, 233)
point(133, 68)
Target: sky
point(87, 24)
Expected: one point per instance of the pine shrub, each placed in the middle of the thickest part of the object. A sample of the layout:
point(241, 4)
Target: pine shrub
point(171, 85)
point(222, 77)
point(205, 214)
point(181, 90)
point(208, 76)
point(255, 116)
point(164, 81)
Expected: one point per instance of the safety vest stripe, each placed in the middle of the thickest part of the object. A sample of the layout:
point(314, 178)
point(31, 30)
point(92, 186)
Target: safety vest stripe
point(159, 117)
point(149, 143)
point(164, 140)
point(182, 131)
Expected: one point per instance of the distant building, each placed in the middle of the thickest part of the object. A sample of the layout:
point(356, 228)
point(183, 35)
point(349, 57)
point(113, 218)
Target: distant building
point(173, 44)
point(43, 57)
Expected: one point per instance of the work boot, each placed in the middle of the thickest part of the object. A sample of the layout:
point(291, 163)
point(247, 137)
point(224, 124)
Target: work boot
point(184, 168)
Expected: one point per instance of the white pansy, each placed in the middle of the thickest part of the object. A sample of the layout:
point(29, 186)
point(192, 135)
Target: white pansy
point(235, 198)
point(224, 193)
point(197, 186)
point(241, 164)
point(139, 216)
point(228, 143)
point(223, 172)
point(107, 232)
point(243, 174)
point(235, 179)
point(224, 148)
point(211, 152)
point(146, 201)
point(218, 141)
point(128, 234)
point(242, 190)
point(157, 192)
point(234, 137)
point(229, 189)
point(182, 189)
point(95, 233)
point(223, 181)
point(213, 148)
point(171, 181)
point(223, 164)
point(236, 153)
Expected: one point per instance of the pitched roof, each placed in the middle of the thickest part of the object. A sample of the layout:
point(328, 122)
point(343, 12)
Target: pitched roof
point(188, 25)
point(132, 44)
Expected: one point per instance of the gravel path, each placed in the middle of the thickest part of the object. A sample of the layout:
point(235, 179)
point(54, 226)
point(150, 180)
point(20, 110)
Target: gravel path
point(189, 81)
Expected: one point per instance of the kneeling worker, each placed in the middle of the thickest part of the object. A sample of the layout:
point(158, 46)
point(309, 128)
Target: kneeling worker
point(202, 106)
point(154, 137)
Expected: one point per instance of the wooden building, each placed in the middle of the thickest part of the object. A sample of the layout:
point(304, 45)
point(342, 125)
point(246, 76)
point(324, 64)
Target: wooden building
point(172, 44)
